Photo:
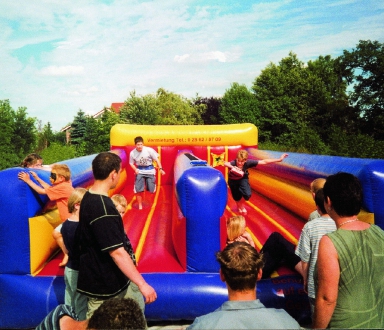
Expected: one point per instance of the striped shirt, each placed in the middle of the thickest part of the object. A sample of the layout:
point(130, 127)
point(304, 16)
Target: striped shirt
point(52, 320)
point(308, 245)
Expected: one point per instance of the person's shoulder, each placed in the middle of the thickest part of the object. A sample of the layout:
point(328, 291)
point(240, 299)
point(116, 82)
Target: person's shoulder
point(283, 318)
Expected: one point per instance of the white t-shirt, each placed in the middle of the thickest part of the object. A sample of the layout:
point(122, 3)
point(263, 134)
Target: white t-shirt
point(143, 158)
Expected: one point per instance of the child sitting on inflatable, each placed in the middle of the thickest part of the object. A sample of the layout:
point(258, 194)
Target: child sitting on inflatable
point(236, 231)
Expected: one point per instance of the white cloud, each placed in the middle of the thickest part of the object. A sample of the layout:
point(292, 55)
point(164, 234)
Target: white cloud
point(68, 70)
point(100, 53)
point(181, 58)
point(219, 56)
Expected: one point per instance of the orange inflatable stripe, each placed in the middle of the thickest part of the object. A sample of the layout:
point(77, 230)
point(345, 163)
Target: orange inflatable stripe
point(144, 234)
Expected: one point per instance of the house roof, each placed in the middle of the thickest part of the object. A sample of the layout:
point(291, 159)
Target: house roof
point(114, 107)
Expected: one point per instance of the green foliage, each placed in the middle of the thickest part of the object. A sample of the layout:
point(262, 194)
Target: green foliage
point(177, 110)
point(297, 107)
point(57, 152)
point(44, 137)
point(210, 107)
point(239, 105)
point(140, 110)
point(164, 108)
point(363, 69)
point(14, 141)
point(78, 127)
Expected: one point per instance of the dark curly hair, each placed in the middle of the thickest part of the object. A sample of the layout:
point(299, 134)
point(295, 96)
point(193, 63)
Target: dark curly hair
point(118, 313)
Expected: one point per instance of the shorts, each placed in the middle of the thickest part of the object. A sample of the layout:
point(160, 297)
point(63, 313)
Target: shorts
point(240, 188)
point(145, 181)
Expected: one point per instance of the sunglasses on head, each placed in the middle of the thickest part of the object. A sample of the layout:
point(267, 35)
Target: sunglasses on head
point(53, 176)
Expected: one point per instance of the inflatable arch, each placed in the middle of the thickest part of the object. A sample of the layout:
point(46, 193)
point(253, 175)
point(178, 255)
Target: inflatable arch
point(180, 227)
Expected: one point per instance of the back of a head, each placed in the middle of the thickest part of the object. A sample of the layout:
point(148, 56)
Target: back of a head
point(317, 184)
point(345, 192)
point(319, 200)
point(75, 198)
point(235, 227)
point(119, 199)
point(104, 163)
point(240, 264)
point(118, 313)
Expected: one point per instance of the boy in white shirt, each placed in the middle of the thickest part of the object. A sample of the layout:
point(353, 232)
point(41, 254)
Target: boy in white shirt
point(141, 161)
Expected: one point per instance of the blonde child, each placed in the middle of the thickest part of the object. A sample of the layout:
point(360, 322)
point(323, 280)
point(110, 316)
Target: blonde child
point(73, 298)
point(239, 184)
point(315, 186)
point(236, 231)
point(59, 191)
point(120, 203)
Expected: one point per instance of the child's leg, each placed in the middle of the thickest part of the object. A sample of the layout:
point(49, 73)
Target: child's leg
point(139, 189)
point(245, 191)
point(59, 240)
point(139, 198)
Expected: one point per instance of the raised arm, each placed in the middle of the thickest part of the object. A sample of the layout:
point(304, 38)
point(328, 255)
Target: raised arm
point(126, 265)
point(272, 160)
point(328, 283)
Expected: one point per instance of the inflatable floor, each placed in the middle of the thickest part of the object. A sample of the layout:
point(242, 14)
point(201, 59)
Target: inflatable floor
point(181, 225)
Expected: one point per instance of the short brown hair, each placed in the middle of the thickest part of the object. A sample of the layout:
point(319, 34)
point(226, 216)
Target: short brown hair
point(63, 170)
point(242, 154)
point(240, 264)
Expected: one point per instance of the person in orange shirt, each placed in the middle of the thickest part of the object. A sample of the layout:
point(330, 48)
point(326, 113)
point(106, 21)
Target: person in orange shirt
point(59, 191)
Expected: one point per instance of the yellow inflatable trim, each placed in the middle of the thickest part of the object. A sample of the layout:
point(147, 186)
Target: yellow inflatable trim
point(182, 135)
point(42, 243)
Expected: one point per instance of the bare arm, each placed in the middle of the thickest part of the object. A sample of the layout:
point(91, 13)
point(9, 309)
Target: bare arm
point(305, 267)
point(126, 265)
point(24, 176)
point(272, 160)
point(160, 167)
point(40, 181)
point(134, 168)
point(328, 283)
point(248, 238)
point(228, 164)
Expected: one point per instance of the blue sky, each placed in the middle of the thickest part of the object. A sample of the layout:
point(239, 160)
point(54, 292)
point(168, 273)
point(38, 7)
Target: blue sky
point(59, 56)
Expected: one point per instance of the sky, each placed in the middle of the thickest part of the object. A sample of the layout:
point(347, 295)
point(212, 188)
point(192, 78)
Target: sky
point(60, 56)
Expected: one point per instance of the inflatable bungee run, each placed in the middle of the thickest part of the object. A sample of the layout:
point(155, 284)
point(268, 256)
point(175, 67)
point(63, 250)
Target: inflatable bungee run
point(181, 225)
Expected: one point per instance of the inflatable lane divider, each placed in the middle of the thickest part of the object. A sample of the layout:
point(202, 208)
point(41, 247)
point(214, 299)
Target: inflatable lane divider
point(144, 234)
point(284, 231)
point(254, 238)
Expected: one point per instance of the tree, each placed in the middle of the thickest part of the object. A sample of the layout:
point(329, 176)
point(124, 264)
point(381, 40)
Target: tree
point(24, 133)
point(45, 137)
point(363, 69)
point(8, 157)
point(177, 110)
point(78, 127)
point(239, 105)
point(210, 112)
point(140, 110)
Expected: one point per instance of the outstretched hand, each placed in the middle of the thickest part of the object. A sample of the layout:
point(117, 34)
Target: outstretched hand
point(283, 156)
